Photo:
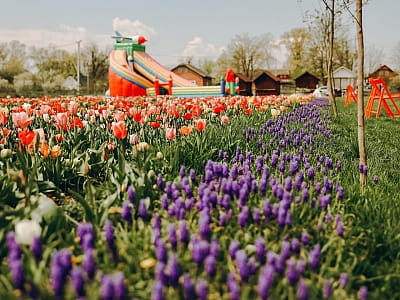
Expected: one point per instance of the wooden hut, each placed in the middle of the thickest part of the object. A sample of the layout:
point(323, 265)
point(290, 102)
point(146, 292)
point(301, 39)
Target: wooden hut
point(244, 84)
point(306, 81)
point(266, 83)
point(192, 74)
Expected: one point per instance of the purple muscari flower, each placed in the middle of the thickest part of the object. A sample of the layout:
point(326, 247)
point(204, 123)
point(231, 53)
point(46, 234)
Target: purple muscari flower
point(120, 288)
point(204, 224)
point(17, 273)
point(324, 200)
point(214, 248)
point(85, 233)
point(192, 175)
point(327, 289)
point(110, 238)
point(311, 173)
point(260, 250)
point(109, 234)
point(131, 194)
point(340, 228)
point(233, 287)
point(362, 293)
point(363, 169)
point(305, 238)
point(14, 250)
point(161, 251)
point(295, 245)
point(37, 249)
point(234, 246)
point(210, 265)
point(267, 209)
point(328, 218)
point(314, 256)
point(288, 184)
point(164, 201)
point(376, 179)
point(343, 280)
point(242, 264)
point(305, 195)
point(78, 281)
point(172, 238)
point(188, 287)
point(182, 171)
point(60, 268)
point(159, 272)
point(107, 288)
point(292, 274)
point(243, 217)
point(142, 209)
point(294, 167)
point(200, 250)
point(158, 291)
point(302, 290)
point(285, 250)
point(126, 213)
point(173, 270)
point(160, 182)
point(265, 281)
point(202, 289)
point(184, 234)
point(89, 264)
point(339, 192)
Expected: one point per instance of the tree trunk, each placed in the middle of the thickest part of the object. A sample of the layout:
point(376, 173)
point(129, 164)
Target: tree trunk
point(330, 86)
point(360, 91)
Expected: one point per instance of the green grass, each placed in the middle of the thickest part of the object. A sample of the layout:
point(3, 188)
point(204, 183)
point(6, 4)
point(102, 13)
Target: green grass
point(376, 228)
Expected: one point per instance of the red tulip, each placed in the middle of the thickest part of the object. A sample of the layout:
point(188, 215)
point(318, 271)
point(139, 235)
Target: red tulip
point(119, 129)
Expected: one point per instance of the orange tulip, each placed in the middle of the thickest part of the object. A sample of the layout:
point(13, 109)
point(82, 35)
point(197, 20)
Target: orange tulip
point(5, 132)
point(185, 130)
point(119, 129)
point(55, 151)
point(44, 149)
point(200, 124)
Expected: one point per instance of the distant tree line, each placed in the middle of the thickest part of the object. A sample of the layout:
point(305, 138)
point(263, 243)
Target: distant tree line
point(34, 71)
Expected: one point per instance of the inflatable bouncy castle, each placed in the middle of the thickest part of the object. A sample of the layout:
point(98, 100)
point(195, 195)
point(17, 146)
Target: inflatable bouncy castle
point(133, 72)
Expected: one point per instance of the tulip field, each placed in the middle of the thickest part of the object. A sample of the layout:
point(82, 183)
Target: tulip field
point(187, 198)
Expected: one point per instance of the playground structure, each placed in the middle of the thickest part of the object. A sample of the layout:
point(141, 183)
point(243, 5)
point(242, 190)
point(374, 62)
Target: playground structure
point(379, 96)
point(133, 72)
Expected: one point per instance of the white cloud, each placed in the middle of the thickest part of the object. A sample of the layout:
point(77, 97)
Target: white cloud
point(131, 28)
point(64, 38)
point(197, 48)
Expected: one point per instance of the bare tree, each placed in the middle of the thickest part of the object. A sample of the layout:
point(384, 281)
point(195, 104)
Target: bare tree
point(332, 11)
point(247, 53)
point(360, 90)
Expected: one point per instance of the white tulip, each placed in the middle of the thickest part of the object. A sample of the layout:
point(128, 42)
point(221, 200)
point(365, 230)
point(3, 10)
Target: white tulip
point(26, 230)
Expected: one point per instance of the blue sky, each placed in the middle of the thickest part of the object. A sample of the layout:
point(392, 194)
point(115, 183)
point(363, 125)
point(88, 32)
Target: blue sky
point(175, 28)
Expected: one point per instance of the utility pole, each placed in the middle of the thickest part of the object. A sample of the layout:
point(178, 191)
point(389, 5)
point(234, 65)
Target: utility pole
point(78, 66)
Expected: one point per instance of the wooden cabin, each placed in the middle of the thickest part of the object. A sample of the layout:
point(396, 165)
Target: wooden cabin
point(266, 83)
point(245, 84)
point(306, 81)
point(384, 72)
point(192, 74)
